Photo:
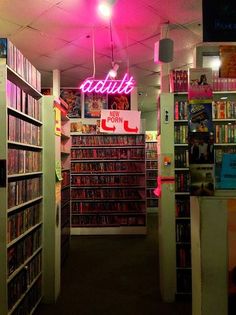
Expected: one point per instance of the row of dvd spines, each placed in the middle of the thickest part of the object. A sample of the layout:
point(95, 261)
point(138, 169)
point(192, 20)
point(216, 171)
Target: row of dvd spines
point(151, 146)
point(127, 166)
point(22, 131)
point(103, 140)
point(19, 284)
point(108, 220)
point(19, 252)
point(108, 206)
point(183, 256)
point(24, 161)
point(105, 180)
point(225, 133)
point(100, 194)
point(182, 181)
point(152, 164)
point(23, 102)
point(31, 298)
point(20, 222)
point(184, 281)
point(65, 178)
point(181, 158)
point(21, 191)
point(183, 231)
point(151, 155)
point(182, 207)
point(65, 195)
point(220, 110)
point(108, 153)
point(20, 64)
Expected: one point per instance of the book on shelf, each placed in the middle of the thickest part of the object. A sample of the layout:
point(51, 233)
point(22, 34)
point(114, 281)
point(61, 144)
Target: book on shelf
point(182, 181)
point(181, 110)
point(183, 256)
point(222, 109)
point(19, 252)
point(225, 133)
point(180, 134)
point(21, 221)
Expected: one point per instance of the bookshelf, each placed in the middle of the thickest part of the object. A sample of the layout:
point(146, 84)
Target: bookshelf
point(182, 195)
point(224, 120)
point(151, 171)
point(65, 186)
point(21, 184)
point(108, 189)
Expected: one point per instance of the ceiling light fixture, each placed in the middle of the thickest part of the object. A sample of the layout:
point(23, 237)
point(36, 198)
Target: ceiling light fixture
point(105, 8)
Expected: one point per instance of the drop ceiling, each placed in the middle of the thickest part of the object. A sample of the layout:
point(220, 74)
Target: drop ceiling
point(64, 34)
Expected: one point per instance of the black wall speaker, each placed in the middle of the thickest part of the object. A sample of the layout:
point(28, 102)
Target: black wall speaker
point(164, 50)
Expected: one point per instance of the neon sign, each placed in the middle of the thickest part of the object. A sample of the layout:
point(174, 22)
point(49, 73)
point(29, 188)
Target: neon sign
point(124, 86)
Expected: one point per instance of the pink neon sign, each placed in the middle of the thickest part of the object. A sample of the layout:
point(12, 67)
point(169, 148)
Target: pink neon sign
point(108, 86)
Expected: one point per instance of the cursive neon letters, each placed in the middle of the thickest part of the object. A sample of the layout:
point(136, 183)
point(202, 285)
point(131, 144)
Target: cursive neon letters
point(108, 86)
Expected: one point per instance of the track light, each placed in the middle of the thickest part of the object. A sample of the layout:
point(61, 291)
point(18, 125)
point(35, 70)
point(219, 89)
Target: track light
point(113, 71)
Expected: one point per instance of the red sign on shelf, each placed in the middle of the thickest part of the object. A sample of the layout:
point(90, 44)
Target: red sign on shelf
point(120, 121)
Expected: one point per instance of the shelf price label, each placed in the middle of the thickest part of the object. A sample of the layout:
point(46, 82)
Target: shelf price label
point(120, 121)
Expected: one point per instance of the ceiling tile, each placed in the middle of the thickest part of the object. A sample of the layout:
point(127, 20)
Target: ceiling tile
point(8, 28)
point(36, 43)
point(22, 12)
point(135, 54)
point(48, 63)
point(73, 54)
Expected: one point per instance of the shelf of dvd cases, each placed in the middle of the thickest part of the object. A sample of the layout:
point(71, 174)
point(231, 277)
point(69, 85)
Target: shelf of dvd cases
point(20, 185)
point(151, 170)
point(65, 187)
point(108, 189)
point(182, 195)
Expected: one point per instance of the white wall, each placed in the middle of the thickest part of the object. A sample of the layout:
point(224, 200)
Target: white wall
point(151, 120)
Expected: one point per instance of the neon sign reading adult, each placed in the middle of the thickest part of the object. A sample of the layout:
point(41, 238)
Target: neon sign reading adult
point(108, 86)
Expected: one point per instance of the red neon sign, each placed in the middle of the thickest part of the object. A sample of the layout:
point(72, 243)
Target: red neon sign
point(124, 86)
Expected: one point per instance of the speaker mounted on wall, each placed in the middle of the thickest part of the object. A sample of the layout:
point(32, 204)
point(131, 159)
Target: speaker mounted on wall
point(163, 50)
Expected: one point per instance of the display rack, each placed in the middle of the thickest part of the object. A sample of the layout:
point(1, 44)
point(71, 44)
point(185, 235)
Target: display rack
point(151, 171)
point(108, 191)
point(21, 194)
point(65, 186)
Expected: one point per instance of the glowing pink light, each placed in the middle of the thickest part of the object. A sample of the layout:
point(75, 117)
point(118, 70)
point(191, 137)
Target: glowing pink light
point(108, 86)
point(105, 10)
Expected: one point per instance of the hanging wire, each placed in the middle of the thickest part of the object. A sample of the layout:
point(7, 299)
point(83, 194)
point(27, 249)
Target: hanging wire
point(94, 60)
point(112, 45)
point(127, 53)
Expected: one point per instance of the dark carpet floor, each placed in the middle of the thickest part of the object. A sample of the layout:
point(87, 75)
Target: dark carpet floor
point(113, 275)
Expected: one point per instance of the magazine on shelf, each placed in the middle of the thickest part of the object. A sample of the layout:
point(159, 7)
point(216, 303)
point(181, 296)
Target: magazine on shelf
point(200, 84)
point(200, 117)
point(202, 179)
